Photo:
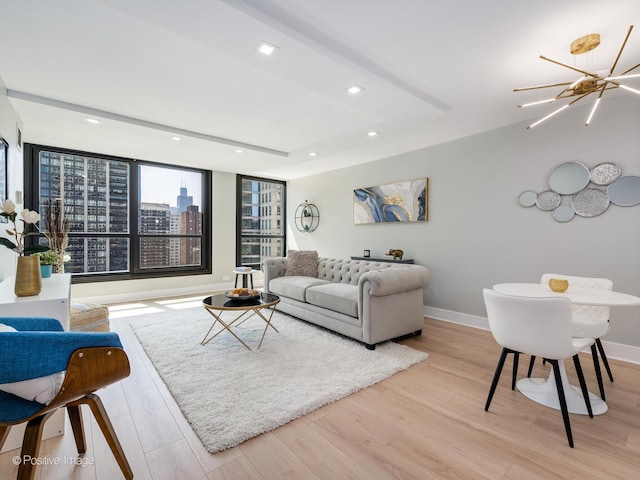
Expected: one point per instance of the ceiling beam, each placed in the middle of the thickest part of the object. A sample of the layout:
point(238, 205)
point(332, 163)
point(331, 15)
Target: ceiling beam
point(139, 122)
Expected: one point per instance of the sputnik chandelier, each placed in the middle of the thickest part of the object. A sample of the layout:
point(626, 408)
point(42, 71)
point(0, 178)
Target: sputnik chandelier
point(588, 83)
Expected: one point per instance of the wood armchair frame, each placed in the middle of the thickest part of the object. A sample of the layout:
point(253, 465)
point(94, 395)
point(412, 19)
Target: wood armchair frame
point(88, 370)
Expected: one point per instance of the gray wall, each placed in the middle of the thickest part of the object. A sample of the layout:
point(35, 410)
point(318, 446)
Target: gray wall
point(477, 234)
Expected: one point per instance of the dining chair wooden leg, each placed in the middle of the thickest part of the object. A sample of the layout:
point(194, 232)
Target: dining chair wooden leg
point(583, 384)
point(596, 367)
point(4, 433)
point(101, 416)
point(604, 359)
point(31, 446)
point(563, 401)
point(496, 376)
point(77, 425)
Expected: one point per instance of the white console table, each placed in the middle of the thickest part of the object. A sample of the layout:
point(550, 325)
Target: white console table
point(53, 302)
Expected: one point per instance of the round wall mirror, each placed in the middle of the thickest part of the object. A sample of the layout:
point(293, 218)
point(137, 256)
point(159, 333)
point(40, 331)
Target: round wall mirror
point(605, 173)
point(548, 200)
point(563, 213)
point(528, 198)
point(569, 178)
point(590, 202)
point(625, 191)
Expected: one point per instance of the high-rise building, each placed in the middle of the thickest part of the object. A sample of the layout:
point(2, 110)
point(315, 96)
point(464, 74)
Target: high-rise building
point(174, 243)
point(262, 217)
point(96, 200)
point(155, 219)
point(190, 224)
point(184, 200)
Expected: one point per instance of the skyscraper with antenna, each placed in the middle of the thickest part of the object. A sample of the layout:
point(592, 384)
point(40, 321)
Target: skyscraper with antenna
point(184, 200)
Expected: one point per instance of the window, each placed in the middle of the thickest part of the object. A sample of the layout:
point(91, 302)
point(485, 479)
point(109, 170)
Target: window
point(169, 236)
point(260, 228)
point(128, 218)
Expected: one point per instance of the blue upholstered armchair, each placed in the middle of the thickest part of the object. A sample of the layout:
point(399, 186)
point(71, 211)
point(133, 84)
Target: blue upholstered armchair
point(40, 347)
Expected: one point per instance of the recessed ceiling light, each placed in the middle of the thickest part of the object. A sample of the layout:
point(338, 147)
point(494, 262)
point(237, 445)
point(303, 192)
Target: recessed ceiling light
point(267, 48)
point(313, 154)
point(354, 89)
point(372, 134)
point(93, 121)
point(239, 151)
point(176, 138)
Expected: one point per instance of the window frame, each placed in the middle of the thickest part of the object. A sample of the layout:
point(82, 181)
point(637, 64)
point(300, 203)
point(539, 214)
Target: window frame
point(239, 228)
point(32, 187)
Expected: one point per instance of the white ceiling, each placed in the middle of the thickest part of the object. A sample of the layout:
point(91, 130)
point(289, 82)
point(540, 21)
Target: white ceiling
point(432, 71)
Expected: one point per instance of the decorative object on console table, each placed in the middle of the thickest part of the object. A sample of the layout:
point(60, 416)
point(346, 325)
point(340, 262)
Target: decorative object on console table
point(307, 217)
point(397, 254)
point(46, 270)
point(367, 253)
point(28, 277)
point(394, 202)
point(47, 260)
point(57, 230)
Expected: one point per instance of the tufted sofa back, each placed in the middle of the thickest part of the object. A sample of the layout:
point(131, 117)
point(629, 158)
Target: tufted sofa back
point(347, 271)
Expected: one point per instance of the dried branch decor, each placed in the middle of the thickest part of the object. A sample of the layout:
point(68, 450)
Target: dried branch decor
point(57, 232)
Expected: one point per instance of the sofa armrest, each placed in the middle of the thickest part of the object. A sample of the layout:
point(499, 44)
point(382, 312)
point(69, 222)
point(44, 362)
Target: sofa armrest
point(273, 268)
point(390, 302)
point(389, 281)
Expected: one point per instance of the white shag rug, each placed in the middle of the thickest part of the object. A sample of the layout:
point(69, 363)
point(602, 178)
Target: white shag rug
point(230, 394)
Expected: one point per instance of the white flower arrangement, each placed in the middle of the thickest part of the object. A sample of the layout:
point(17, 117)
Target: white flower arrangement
point(29, 217)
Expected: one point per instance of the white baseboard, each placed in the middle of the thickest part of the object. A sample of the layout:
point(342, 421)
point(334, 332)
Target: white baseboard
point(617, 351)
point(166, 293)
point(457, 317)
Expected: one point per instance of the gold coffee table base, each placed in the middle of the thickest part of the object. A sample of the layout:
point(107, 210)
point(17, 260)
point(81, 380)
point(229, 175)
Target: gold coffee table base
point(218, 304)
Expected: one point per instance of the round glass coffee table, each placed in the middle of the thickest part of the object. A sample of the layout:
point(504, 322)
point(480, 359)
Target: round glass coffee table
point(217, 304)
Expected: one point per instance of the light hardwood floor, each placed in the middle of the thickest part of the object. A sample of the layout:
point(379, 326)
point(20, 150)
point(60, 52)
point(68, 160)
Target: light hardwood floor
point(427, 422)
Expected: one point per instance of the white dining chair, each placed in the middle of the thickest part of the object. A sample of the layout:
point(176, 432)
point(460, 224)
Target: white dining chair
point(587, 321)
point(538, 327)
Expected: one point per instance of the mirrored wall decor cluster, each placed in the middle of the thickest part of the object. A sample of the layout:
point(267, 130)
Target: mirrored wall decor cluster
point(589, 192)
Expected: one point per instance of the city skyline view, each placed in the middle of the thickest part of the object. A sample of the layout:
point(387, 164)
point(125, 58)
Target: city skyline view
point(158, 187)
point(98, 192)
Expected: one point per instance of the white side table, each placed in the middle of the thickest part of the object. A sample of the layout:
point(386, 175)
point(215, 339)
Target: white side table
point(247, 278)
point(52, 302)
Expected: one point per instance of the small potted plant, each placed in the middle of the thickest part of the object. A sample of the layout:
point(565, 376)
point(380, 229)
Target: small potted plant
point(47, 260)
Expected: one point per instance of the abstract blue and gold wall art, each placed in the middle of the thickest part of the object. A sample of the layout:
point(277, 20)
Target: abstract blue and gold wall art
point(394, 202)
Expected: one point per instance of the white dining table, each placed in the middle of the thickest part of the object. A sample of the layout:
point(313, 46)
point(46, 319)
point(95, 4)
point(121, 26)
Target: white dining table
point(543, 390)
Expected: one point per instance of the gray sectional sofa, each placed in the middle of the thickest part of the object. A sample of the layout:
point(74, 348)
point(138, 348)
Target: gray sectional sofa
point(369, 301)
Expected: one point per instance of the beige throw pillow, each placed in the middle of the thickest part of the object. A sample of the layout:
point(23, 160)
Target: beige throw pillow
point(302, 263)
